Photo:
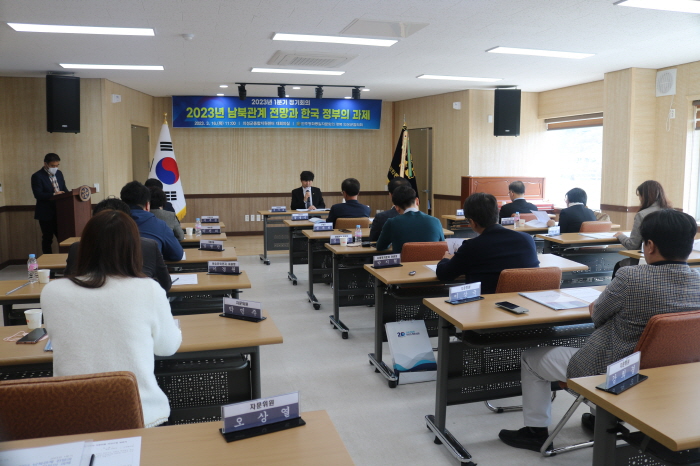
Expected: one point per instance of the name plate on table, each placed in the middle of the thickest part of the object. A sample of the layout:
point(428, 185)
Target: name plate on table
point(387, 260)
point(278, 208)
point(211, 245)
point(508, 221)
point(465, 293)
point(460, 213)
point(323, 226)
point(623, 374)
point(261, 416)
point(300, 216)
point(335, 239)
point(224, 267)
point(553, 231)
point(210, 219)
point(210, 230)
point(244, 310)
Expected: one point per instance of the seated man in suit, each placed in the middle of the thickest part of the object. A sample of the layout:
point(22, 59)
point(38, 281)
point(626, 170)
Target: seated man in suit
point(138, 197)
point(576, 212)
point(382, 217)
point(158, 184)
point(47, 183)
point(351, 208)
point(664, 284)
point(411, 225)
point(307, 197)
point(482, 259)
point(153, 264)
point(516, 193)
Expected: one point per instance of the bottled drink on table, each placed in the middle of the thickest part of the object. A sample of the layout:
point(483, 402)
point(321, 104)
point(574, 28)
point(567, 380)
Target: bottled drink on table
point(32, 269)
point(198, 227)
point(358, 234)
point(517, 220)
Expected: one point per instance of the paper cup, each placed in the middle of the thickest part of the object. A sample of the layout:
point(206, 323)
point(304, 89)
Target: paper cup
point(189, 230)
point(343, 241)
point(33, 317)
point(44, 275)
point(521, 222)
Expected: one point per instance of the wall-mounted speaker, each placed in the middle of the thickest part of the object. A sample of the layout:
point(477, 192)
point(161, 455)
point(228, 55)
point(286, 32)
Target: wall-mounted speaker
point(62, 104)
point(506, 113)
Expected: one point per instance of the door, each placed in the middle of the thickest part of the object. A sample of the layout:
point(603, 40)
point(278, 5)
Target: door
point(140, 157)
point(421, 140)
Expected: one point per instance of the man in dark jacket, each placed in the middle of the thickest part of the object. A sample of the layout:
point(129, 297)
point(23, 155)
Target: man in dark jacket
point(351, 208)
point(381, 218)
point(516, 192)
point(306, 196)
point(47, 183)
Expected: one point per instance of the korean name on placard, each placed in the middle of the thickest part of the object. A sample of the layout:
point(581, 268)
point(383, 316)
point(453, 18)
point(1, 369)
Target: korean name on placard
point(223, 267)
point(211, 245)
point(323, 226)
point(210, 230)
point(255, 413)
point(460, 292)
point(335, 239)
point(278, 208)
point(300, 216)
point(210, 219)
point(386, 260)
point(460, 212)
point(243, 308)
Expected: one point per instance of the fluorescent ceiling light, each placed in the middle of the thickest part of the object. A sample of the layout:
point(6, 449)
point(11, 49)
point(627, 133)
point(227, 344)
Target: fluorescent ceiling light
point(279, 70)
point(219, 95)
point(459, 78)
point(335, 39)
point(223, 86)
point(364, 89)
point(296, 87)
point(112, 67)
point(682, 6)
point(21, 27)
point(347, 97)
point(539, 53)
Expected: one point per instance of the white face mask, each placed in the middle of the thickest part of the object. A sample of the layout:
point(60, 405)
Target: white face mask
point(53, 170)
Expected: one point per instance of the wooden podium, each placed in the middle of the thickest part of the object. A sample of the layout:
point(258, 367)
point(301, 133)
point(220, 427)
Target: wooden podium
point(73, 210)
point(498, 186)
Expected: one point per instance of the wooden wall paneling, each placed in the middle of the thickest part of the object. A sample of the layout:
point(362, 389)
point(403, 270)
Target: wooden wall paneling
point(573, 100)
point(445, 207)
point(644, 130)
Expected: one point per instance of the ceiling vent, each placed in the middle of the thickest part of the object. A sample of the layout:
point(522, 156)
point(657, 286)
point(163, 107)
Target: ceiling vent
point(309, 59)
point(666, 82)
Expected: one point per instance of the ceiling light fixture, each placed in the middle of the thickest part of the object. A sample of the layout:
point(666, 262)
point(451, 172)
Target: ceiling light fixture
point(539, 53)
point(334, 39)
point(680, 6)
point(347, 97)
point(459, 78)
point(280, 91)
point(242, 93)
point(223, 86)
point(365, 90)
point(112, 67)
point(219, 95)
point(280, 70)
point(296, 88)
point(319, 92)
point(23, 27)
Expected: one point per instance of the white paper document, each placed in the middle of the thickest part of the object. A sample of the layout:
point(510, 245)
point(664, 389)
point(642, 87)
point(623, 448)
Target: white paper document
point(541, 219)
point(184, 255)
point(432, 267)
point(316, 219)
point(453, 244)
point(584, 293)
point(696, 245)
point(607, 234)
point(184, 279)
point(67, 454)
point(555, 300)
point(117, 452)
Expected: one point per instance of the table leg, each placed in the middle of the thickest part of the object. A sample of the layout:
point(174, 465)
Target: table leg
point(290, 274)
point(376, 358)
point(335, 318)
point(263, 257)
point(6, 309)
point(310, 293)
point(255, 385)
point(436, 423)
point(603, 441)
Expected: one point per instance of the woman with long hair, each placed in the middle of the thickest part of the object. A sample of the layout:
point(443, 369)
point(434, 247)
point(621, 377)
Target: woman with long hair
point(108, 316)
point(651, 198)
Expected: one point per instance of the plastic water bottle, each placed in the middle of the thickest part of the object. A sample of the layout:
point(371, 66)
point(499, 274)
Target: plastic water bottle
point(358, 234)
point(32, 269)
point(517, 220)
point(198, 227)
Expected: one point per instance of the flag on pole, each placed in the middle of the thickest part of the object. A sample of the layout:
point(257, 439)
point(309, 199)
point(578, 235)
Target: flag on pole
point(402, 164)
point(164, 168)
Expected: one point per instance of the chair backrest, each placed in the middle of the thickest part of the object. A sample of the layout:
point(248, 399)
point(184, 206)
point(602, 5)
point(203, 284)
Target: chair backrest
point(526, 217)
point(351, 223)
point(76, 404)
point(595, 227)
point(670, 339)
point(530, 279)
point(426, 251)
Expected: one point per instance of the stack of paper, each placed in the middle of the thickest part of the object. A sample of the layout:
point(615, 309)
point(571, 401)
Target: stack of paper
point(541, 219)
point(569, 298)
point(696, 245)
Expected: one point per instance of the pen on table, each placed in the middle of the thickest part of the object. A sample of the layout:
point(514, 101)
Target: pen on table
point(92, 459)
point(173, 282)
point(18, 288)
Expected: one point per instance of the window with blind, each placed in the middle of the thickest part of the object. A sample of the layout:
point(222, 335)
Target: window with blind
point(575, 121)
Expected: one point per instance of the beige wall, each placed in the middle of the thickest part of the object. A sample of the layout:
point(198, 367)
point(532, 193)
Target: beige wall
point(573, 100)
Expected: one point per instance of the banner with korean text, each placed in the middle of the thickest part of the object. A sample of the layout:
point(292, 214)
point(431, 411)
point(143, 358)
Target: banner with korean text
point(274, 112)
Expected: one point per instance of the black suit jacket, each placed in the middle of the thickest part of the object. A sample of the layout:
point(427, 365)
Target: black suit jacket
point(379, 221)
point(518, 205)
point(43, 193)
point(153, 264)
point(571, 218)
point(298, 198)
point(482, 259)
point(349, 209)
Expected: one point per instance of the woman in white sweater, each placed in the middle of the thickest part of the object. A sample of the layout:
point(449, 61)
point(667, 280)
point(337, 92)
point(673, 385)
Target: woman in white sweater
point(108, 316)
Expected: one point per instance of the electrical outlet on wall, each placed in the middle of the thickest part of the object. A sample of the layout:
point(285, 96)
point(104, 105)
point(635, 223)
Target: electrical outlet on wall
point(259, 218)
point(247, 218)
point(97, 187)
point(672, 113)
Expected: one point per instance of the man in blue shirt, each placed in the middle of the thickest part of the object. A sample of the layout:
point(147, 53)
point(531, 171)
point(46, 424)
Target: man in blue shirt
point(139, 199)
point(351, 208)
point(410, 225)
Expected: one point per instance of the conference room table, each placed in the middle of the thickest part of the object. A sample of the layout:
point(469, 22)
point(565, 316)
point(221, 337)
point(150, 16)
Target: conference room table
point(664, 407)
point(270, 219)
point(207, 342)
point(220, 225)
point(315, 444)
point(485, 364)
point(206, 283)
point(424, 283)
point(693, 259)
point(190, 241)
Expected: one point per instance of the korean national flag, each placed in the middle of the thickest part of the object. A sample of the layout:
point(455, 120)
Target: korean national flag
point(164, 167)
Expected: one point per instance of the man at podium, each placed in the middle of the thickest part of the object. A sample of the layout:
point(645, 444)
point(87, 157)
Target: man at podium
point(47, 183)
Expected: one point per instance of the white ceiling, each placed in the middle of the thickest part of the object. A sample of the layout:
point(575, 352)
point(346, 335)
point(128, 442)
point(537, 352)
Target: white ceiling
point(232, 36)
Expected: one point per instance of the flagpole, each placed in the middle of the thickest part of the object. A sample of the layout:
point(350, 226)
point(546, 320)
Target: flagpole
point(165, 118)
